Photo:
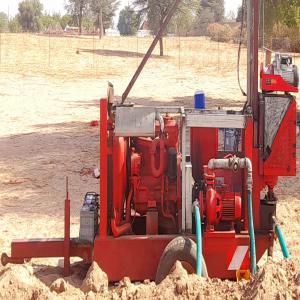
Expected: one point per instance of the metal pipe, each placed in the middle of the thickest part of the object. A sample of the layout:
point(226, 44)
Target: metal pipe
point(160, 119)
point(189, 197)
point(162, 195)
point(67, 232)
point(183, 174)
point(234, 163)
point(157, 172)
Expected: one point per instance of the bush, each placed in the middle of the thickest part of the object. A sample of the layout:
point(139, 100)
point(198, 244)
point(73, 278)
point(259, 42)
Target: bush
point(220, 33)
point(285, 38)
point(14, 25)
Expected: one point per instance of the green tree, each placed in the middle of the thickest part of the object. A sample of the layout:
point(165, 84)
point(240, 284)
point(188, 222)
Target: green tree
point(48, 21)
point(128, 21)
point(217, 8)
point(77, 9)
point(29, 15)
point(156, 11)
point(103, 11)
point(279, 13)
point(3, 22)
point(14, 25)
point(212, 11)
point(65, 20)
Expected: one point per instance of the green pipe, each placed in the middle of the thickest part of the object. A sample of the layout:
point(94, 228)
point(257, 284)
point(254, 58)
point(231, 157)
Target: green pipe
point(198, 241)
point(252, 234)
point(281, 240)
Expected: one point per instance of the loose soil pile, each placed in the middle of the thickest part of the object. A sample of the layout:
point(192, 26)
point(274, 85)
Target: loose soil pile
point(275, 280)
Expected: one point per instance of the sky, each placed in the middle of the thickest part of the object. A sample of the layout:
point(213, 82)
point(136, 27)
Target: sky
point(11, 6)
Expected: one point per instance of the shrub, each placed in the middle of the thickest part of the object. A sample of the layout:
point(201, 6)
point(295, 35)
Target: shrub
point(220, 33)
point(14, 25)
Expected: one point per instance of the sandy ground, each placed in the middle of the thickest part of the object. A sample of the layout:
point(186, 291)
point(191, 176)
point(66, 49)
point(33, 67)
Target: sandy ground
point(48, 98)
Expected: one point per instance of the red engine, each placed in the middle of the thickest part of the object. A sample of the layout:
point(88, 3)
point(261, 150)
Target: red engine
point(156, 178)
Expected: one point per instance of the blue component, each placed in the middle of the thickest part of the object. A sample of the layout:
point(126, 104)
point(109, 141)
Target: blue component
point(198, 241)
point(252, 234)
point(199, 100)
point(282, 242)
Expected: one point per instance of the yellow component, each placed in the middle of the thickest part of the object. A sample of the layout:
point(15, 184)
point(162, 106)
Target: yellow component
point(243, 274)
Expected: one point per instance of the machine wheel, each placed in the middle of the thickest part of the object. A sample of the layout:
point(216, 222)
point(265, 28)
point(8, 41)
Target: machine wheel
point(182, 249)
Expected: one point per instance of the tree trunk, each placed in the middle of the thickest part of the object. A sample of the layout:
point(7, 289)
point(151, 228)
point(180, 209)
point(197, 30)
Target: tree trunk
point(80, 19)
point(101, 31)
point(161, 47)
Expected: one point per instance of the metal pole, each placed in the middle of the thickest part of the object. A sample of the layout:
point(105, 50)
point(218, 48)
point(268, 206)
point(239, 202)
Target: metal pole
point(252, 47)
point(179, 52)
point(0, 46)
point(150, 50)
point(218, 53)
point(67, 232)
point(49, 49)
point(183, 171)
point(137, 50)
point(93, 48)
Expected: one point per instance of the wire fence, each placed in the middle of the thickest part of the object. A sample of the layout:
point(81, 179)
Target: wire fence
point(88, 56)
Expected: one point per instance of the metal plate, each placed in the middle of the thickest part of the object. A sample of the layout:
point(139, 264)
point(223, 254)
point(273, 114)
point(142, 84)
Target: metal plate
point(214, 120)
point(275, 111)
point(135, 121)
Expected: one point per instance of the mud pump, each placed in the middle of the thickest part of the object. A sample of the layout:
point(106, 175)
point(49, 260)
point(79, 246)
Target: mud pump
point(161, 166)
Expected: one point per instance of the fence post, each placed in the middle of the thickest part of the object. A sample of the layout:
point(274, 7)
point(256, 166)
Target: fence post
point(0, 46)
point(49, 48)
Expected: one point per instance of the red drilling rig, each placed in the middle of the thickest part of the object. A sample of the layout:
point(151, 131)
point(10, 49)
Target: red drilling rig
point(154, 177)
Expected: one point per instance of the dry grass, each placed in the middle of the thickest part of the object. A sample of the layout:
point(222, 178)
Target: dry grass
point(89, 57)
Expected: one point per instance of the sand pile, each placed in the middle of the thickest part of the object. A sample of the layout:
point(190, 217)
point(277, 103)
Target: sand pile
point(18, 282)
point(275, 280)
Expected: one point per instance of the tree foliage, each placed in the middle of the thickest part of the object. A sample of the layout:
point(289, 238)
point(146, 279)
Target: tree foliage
point(103, 11)
point(155, 11)
point(77, 9)
point(14, 25)
point(211, 11)
point(128, 21)
point(30, 12)
point(216, 7)
point(3, 22)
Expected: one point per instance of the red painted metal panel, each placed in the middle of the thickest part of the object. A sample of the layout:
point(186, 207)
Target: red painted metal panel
point(134, 256)
point(204, 146)
point(138, 256)
point(103, 168)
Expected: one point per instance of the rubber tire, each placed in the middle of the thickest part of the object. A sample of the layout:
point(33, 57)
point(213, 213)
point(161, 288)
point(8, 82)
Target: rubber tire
point(182, 249)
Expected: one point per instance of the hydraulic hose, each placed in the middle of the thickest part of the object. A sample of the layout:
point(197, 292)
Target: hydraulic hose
point(198, 241)
point(281, 240)
point(251, 234)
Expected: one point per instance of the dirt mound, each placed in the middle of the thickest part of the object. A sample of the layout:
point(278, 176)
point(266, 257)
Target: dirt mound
point(95, 281)
point(276, 280)
point(18, 282)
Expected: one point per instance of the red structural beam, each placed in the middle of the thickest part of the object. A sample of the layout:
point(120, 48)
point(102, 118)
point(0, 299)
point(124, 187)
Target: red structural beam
point(103, 168)
point(67, 232)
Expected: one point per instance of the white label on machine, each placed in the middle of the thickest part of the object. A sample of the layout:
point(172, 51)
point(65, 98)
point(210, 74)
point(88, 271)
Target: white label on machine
point(238, 258)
